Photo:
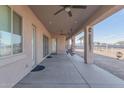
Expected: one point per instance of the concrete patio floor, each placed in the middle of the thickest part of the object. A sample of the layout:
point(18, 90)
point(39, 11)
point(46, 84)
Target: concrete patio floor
point(65, 71)
point(112, 65)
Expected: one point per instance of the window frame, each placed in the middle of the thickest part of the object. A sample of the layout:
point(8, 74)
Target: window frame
point(45, 45)
point(21, 31)
point(12, 54)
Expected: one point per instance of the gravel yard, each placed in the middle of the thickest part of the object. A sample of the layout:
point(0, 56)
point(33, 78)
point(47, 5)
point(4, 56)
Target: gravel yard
point(112, 65)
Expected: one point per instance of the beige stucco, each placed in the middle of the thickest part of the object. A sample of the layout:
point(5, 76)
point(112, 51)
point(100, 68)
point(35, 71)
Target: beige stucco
point(88, 45)
point(60, 42)
point(14, 68)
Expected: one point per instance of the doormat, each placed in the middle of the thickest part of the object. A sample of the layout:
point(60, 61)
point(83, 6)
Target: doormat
point(49, 57)
point(38, 68)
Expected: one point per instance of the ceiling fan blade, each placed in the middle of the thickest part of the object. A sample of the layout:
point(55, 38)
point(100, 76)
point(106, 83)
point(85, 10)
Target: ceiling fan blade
point(65, 6)
point(70, 14)
point(59, 11)
point(79, 6)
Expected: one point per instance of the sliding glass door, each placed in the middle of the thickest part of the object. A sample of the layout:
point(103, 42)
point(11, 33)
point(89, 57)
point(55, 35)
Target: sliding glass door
point(45, 45)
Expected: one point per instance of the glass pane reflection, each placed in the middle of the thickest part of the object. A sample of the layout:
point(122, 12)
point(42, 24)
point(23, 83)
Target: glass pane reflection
point(5, 31)
point(17, 34)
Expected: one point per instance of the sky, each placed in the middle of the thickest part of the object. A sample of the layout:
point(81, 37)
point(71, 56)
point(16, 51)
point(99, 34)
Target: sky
point(110, 30)
point(77, 37)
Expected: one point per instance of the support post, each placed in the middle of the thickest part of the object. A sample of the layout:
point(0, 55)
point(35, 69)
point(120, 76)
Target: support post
point(67, 44)
point(73, 43)
point(88, 45)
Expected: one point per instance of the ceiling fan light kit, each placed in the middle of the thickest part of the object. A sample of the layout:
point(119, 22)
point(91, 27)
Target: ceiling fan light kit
point(68, 8)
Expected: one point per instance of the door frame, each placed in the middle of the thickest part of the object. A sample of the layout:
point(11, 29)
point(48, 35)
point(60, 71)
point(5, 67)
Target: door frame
point(55, 45)
point(33, 46)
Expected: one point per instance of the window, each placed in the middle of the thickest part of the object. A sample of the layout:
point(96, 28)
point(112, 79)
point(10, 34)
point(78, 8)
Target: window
point(10, 40)
point(5, 31)
point(17, 34)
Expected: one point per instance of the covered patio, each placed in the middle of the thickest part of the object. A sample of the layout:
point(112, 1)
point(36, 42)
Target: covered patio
point(43, 33)
point(66, 71)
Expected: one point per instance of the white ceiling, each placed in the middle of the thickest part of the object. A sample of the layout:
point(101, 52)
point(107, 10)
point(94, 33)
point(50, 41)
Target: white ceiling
point(62, 23)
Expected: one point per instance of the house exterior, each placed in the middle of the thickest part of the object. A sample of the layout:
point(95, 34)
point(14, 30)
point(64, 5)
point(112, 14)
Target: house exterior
point(25, 41)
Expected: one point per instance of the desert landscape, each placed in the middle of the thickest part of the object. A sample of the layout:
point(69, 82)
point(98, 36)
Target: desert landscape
point(107, 60)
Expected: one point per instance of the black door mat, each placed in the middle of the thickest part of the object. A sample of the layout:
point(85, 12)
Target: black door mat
point(49, 57)
point(38, 68)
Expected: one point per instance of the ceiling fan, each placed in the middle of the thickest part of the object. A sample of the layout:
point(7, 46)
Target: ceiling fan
point(68, 8)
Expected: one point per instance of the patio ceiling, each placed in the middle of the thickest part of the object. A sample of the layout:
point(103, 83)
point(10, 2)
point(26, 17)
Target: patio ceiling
point(62, 23)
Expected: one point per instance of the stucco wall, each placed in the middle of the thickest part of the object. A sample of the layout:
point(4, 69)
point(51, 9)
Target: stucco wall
point(60, 42)
point(14, 68)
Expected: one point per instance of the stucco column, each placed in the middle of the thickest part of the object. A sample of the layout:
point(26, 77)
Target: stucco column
point(73, 43)
point(88, 45)
point(67, 44)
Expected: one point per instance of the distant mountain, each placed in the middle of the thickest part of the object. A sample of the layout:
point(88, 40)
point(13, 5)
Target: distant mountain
point(120, 42)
